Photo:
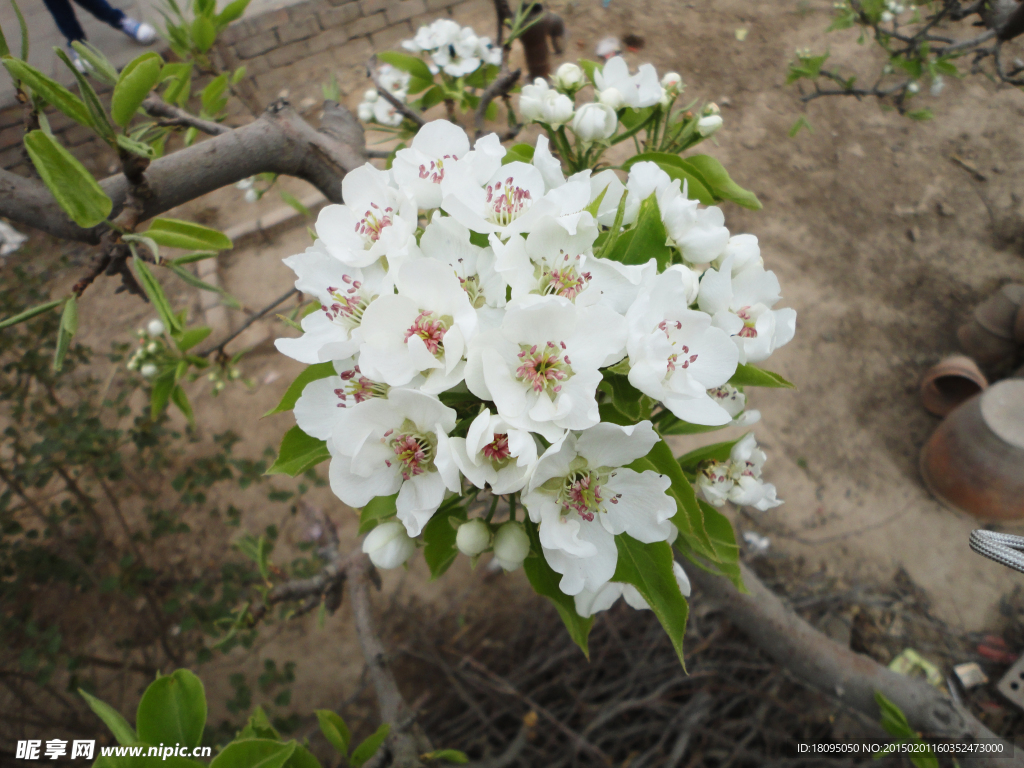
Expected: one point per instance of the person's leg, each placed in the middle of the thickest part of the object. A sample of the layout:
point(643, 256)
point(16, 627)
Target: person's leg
point(64, 15)
point(103, 11)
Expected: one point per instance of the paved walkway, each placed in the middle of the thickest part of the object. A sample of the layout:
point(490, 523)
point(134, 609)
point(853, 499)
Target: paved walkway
point(118, 47)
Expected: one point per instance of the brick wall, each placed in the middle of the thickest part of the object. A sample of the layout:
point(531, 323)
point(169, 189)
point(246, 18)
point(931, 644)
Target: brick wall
point(291, 51)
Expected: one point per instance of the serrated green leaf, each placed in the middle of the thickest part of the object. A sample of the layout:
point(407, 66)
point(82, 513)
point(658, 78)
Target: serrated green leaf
point(335, 730)
point(414, 65)
point(175, 233)
point(172, 710)
point(648, 567)
point(66, 332)
point(28, 314)
point(439, 542)
point(378, 508)
point(71, 185)
point(294, 392)
point(137, 79)
point(718, 181)
point(298, 453)
point(368, 748)
point(254, 753)
point(716, 452)
point(113, 719)
point(544, 581)
point(155, 293)
point(50, 90)
point(646, 240)
point(751, 376)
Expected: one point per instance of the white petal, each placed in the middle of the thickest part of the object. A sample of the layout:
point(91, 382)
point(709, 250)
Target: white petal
point(612, 445)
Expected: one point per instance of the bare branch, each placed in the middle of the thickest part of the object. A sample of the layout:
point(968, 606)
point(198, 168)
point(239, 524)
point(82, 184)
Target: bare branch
point(174, 116)
point(389, 97)
point(502, 84)
point(219, 349)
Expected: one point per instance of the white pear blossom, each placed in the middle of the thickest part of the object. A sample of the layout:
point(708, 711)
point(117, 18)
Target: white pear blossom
point(511, 545)
point(344, 292)
point(745, 253)
point(735, 404)
point(447, 241)
point(388, 545)
point(540, 103)
point(675, 354)
point(582, 497)
point(494, 453)
point(395, 445)
point(569, 77)
point(638, 91)
point(419, 169)
point(739, 478)
point(548, 165)
point(324, 404)
point(590, 603)
point(155, 328)
point(699, 233)
point(421, 330)
point(611, 97)
point(741, 305)
point(594, 121)
point(540, 367)
point(375, 220)
point(473, 537)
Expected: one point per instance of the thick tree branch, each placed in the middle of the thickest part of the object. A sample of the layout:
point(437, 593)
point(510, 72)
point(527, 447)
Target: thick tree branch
point(279, 141)
point(850, 677)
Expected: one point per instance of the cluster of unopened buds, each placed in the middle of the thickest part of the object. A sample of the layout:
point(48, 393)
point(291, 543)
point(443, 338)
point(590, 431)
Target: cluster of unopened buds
point(151, 350)
point(892, 10)
point(374, 108)
point(471, 312)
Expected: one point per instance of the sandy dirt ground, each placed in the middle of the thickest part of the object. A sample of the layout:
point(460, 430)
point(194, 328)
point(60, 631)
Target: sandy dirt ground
point(882, 244)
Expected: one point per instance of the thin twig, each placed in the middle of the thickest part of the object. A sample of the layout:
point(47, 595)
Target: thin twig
point(171, 115)
point(252, 319)
point(390, 98)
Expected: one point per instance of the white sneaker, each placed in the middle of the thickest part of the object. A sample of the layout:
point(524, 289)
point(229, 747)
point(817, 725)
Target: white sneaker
point(139, 31)
point(81, 64)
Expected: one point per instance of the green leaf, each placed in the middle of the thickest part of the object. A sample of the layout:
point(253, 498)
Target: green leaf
point(231, 12)
point(203, 33)
point(155, 293)
point(97, 114)
point(717, 179)
point(302, 757)
point(118, 726)
point(334, 730)
point(414, 65)
point(5, 50)
point(670, 425)
point(134, 84)
point(259, 726)
point(180, 399)
point(298, 453)
point(188, 338)
point(522, 153)
point(254, 753)
point(101, 66)
point(195, 282)
point(66, 332)
point(179, 89)
point(293, 202)
point(626, 398)
point(716, 452)
point(172, 710)
point(648, 567)
point(369, 747)
point(750, 376)
point(378, 508)
point(28, 314)
point(135, 147)
point(595, 204)
point(160, 395)
point(590, 67)
point(801, 123)
point(175, 233)
point(921, 114)
point(676, 168)
point(263, 557)
point(291, 396)
point(211, 95)
point(439, 541)
point(448, 755)
point(73, 187)
point(23, 27)
point(723, 540)
point(191, 258)
point(544, 581)
point(52, 91)
point(647, 239)
point(689, 519)
point(239, 73)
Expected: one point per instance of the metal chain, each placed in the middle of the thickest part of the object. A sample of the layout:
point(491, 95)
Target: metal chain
point(1004, 548)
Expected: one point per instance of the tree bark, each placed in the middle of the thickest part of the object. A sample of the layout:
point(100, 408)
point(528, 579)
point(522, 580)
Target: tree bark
point(279, 141)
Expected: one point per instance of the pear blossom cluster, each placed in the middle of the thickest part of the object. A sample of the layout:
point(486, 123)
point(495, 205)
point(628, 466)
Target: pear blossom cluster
point(453, 49)
point(471, 316)
point(374, 108)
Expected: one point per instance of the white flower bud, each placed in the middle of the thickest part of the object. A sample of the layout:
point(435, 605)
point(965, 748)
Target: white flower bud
point(569, 77)
point(473, 538)
point(594, 122)
point(611, 97)
point(666, 98)
point(371, 95)
point(243, 184)
point(712, 109)
point(388, 545)
point(511, 546)
point(251, 195)
point(152, 347)
point(365, 111)
point(913, 87)
point(155, 328)
point(937, 85)
point(672, 81)
point(149, 370)
point(133, 364)
point(709, 125)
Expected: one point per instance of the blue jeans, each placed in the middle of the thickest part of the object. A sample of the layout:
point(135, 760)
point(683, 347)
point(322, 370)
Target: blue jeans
point(67, 22)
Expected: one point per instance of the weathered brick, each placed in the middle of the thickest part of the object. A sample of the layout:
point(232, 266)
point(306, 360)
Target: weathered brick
point(11, 157)
point(232, 34)
point(257, 66)
point(405, 9)
point(256, 45)
point(367, 25)
point(287, 54)
point(390, 39)
point(339, 16)
point(307, 8)
point(11, 136)
point(372, 6)
point(355, 54)
point(76, 134)
point(267, 21)
point(299, 30)
point(12, 116)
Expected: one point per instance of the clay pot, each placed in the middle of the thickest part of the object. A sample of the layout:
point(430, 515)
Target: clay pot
point(998, 313)
point(984, 346)
point(949, 383)
point(974, 461)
